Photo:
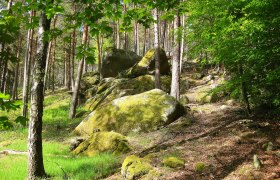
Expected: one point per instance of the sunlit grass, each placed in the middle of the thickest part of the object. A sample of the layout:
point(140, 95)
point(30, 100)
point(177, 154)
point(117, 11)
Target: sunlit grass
point(58, 160)
point(59, 167)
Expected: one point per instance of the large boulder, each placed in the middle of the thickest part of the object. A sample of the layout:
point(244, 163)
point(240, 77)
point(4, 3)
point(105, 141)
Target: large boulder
point(147, 64)
point(103, 142)
point(142, 112)
point(117, 60)
point(110, 89)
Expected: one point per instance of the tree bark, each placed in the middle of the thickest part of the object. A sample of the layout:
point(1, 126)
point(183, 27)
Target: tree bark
point(4, 75)
point(182, 44)
point(175, 82)
point(27, 65)
point(75, 93)
point(73, 46)
point(118, 34)
point(163, 34)
point(99, 55)
point(53, 66)
point(244, 90)
point(157, 50)
point(144, 42)
point(15, 84)
point(35, 150)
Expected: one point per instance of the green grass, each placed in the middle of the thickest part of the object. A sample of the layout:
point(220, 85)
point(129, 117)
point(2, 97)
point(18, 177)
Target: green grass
point(58, 161)
point(59, 167)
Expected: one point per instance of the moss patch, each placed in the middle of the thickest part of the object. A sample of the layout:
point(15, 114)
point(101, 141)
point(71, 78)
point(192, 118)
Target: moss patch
point(102, 142)
point(112, 89)
point(134, 167)
point(199, 167)
point(173, 162)
point(138, 113)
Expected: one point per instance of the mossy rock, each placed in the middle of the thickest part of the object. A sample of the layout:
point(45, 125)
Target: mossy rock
point(173, 162)
point(147, 65)
point(202, 97)
point(103, 142)
point(199, 167)
point(134, 167)
point(89, 80)
point(137, 113)
point(116, 88)
point(117, 60)
point(89, 93)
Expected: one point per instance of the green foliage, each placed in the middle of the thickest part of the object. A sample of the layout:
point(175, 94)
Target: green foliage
point(6, 105)
point(240, 33)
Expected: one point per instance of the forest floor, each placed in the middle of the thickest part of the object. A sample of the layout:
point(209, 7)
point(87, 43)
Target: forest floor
point(216, 140)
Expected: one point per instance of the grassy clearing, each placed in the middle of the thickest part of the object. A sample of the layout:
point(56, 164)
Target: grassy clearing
point(58, 161)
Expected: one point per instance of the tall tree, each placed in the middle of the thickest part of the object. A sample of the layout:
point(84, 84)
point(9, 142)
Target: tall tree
point(35, 153)
point(157, 49)
point(15, 84)
point(175, 83)
point(27, 66)
point(75, 93)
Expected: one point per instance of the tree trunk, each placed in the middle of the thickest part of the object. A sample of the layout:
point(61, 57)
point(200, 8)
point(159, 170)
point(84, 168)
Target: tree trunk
point(118, 34)
point(182, 43)
point(53, 66)
point(73, 46)
point(99, 55)
point(75, 93)
point(46, 77)
point(4, 75)
point(136, 37)
point(35, 150)
point(27, 65)
point(157, 50)
point(244, 90)
point(163, 34)
point(175, 83)
point(15, 84)
point(144, 42)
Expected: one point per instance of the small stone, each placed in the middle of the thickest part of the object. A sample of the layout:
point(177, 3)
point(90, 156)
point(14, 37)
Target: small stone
point(257, 163)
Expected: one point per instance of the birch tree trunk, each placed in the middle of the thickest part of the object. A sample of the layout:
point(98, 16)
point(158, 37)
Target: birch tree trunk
point(75, 93)
point(157, 50)
point(73, 46)
point(182, 43)
point(35, 150)
point(175, 82)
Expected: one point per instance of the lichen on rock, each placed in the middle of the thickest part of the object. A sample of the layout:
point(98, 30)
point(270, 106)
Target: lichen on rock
point(134, 167)
point(103, 142)
point(142, 112)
